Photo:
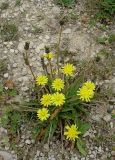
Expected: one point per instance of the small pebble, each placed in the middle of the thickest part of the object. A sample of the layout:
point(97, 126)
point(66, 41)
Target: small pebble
point(28, 141)
point(6, 75)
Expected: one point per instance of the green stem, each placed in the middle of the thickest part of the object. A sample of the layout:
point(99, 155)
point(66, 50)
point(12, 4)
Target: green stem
point(28, 64)
point(51, 68)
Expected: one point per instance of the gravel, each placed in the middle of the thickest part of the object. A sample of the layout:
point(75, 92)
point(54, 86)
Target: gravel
point(77, 37)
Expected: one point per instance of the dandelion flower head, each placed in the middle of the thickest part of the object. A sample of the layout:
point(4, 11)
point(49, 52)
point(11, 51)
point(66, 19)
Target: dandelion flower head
point(46, 100)
point(85, 94)
point(89, 85)
point(72, 132)
point(43, 114)
point(68, 69)
point(41, 80)
point(58, 99)
point(49, 55)
point(58, 84)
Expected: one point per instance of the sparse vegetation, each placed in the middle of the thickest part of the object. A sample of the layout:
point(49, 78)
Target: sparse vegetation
point(65, 3)
point(3, 66)
point(18, 2)
point(103, 10)
point(4, 5)
point(110, 39)
point(62, 99)
point(37, 30)
point(8, 31)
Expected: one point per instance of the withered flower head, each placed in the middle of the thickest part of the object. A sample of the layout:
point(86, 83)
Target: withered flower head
point(26, 47)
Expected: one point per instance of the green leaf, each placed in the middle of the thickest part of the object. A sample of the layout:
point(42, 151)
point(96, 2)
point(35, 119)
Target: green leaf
point(4, 119)
point(84, 127)
point(72, 90)
point(51, 129)
point(80, 146)
point(1, 88)
point(15, 120)
point(67, 108)
point(12, 92)
point(67, 115)
point(36, 131)
point(102, 40)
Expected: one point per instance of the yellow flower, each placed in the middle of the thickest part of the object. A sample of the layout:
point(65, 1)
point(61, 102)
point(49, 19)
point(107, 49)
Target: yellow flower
point(43, 114)
point(89, 85)
point(58, 84)
point(58, 99)
point(72, 132)
point(85, 94)
point(46, 100)
point(49, 55)
point(68, 69)
point(41, 80)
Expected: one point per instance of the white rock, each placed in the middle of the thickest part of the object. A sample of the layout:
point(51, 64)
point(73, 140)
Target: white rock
point(20, 79)
point(107, 118)
point(25, 89)
point(37, 49)
point(92, 156)
point(3, 131)
point(47, 37)
point(113, 153)
point(96, 117)
point(21, 46)
point(67, 31)
point(12, 50)
point(6, 148)
point(46, 147)
point(111, 124)
point(28, 141)
point(6, 75)
point(11, 43)
point(25, 79)
point(38, 153)
point(41, 46)
point(56, 10)
point(15, 65)
point(21, 145)
point(5, 52)
point(99, 149)
point(16, 51)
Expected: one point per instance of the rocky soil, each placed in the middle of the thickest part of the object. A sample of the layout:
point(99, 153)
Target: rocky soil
point(38, 23)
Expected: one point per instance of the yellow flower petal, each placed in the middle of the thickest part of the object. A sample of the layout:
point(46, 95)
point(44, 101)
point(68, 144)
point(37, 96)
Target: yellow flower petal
point(58, 84)
point(46, 100)
point(68, 69)
point(58, 99)
point(43, 114)
point(85, 94)
point(41, 80)
point(49, 55)
point(89, 85)
point(72, 132)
